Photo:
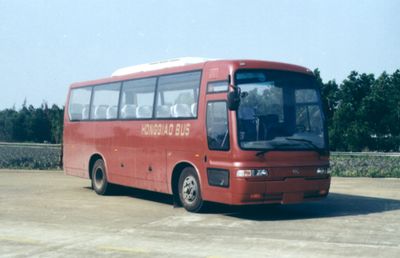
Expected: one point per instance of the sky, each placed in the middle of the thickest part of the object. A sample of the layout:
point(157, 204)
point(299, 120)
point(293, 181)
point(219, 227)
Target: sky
point(46, 45)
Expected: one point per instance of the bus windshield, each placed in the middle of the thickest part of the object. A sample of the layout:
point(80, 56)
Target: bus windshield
point(279, 110)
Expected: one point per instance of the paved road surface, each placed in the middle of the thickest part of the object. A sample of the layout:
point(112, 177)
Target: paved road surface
point(48, 214)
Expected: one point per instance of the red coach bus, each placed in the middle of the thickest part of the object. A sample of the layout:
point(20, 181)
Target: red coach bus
point(228, 131)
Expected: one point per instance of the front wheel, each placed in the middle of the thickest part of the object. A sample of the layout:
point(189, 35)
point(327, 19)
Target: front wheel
point(189, 190)
point(99, 178)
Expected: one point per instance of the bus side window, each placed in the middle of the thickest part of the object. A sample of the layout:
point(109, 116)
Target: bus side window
point(79, 104)
point(105, 101)
point(217, 125)
point(178, 95)
point(137, 98)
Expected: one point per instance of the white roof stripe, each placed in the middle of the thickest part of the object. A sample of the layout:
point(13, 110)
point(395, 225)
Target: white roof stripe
point(175, 62)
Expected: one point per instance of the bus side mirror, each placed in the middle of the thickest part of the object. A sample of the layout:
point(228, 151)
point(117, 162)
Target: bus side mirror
point(233, 99)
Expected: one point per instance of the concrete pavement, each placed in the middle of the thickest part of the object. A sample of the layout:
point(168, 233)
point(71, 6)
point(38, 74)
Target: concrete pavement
point(48, 214)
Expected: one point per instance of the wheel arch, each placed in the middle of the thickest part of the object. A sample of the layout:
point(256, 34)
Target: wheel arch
point(92, 160)
point(176, 172)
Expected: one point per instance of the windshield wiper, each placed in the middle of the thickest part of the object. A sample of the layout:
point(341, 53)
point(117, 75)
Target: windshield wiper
point(276, 147)
point(260, 153)
point(310, 143)
point(279, 146)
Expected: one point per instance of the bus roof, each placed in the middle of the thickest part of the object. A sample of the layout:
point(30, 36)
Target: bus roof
point(187, 63)
point(158, 65)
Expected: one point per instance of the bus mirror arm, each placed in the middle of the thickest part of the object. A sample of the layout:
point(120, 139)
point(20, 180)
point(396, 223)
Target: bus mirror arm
point(234, 98)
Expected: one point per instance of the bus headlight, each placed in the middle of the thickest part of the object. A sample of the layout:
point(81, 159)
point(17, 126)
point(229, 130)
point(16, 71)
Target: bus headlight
point(251, 172)
point(322, 171)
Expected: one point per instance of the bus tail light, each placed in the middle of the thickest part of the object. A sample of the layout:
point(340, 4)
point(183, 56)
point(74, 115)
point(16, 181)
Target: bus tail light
point(251, 172)
point(256, 196)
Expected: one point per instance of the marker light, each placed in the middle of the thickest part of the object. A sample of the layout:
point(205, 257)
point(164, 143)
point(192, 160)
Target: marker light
point(251, 172)
point(323, 171)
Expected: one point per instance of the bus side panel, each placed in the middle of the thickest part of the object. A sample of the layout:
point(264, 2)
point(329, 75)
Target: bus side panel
point(160, 144)
point(122, 153)
point(137, 160)
point(103, 138)
point(145, 159)
point(77, 148)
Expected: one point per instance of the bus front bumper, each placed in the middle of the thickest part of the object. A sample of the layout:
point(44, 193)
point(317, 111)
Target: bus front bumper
point(285, 191)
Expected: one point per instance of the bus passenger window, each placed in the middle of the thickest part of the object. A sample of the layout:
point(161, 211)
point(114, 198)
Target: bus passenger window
point(144, 111)
point(78, 108)
point(112, 112)
point(85, 112)
point(181, 110)
point(105, 101)
point(217, 126)
point(137, 98)
point(163, 111)
point(128, 111)
point(177, 95)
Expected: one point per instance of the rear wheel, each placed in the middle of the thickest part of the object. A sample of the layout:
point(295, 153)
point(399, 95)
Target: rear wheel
point(99, 178)
point(189, 190)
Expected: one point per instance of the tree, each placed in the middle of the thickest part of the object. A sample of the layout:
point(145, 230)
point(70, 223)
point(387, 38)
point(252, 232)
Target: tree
point(56, 116)
point(7, 121)
point(382, 112)
point(329, 93)
point(349, 130)
point(31, 124)
point(40, 124)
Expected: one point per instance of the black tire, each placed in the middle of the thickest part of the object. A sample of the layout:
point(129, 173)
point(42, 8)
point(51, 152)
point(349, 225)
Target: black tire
point(100, 183)
point(189, 190)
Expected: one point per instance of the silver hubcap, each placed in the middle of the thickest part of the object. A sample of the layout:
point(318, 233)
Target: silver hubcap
point(189, 189)
point(98, 178)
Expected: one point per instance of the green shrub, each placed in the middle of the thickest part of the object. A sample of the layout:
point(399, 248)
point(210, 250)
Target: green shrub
point(47, 156)
point(365, 165)
point(30, 156)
